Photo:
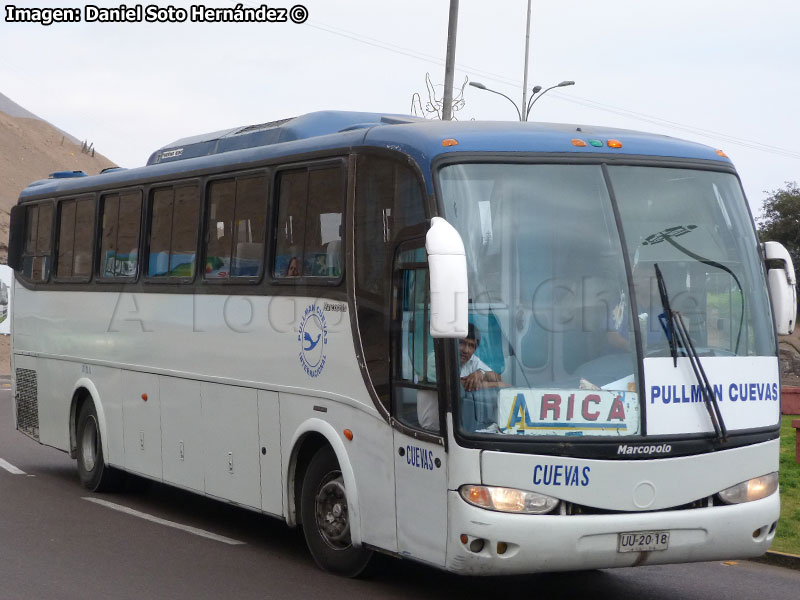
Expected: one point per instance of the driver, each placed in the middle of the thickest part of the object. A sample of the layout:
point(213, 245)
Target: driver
point(475, 374)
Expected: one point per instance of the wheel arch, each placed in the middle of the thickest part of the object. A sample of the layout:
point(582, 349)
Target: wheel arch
point(312, 435)
point(85, 391)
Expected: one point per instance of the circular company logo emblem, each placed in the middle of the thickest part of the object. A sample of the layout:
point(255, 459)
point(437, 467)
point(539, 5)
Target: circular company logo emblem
point(312, 335)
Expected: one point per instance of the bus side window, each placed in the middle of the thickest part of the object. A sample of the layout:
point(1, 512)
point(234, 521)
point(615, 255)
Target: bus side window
point(308, 236)
point(222, 199)
point(235, 228)
point(173, 232)
point(289, 237)
point(66, 239)
point(119, 250)
point(323, 238)
point(389, 199)
point(75, 239)
point(84, 238)
point(249, 226)
point(38, 234)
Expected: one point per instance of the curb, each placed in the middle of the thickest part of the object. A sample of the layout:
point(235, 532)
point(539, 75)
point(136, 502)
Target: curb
point(779, 559)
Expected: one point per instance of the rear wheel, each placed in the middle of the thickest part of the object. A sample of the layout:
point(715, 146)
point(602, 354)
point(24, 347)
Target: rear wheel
point(326, 518)
point(94, 473)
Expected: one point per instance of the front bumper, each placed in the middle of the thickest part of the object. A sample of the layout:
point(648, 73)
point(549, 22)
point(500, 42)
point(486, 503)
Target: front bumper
point(546, 543)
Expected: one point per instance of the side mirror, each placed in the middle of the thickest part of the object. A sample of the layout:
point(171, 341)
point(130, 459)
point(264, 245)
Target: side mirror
point(447, 264)
point(781, 278)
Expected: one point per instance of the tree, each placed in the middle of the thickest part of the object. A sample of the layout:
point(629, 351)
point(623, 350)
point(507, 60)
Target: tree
point(781, 220)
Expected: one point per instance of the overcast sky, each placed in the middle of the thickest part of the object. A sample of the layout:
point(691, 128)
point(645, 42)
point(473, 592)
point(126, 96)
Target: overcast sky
point(720, 72)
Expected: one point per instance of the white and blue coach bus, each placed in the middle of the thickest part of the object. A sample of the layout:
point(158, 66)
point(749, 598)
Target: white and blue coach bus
point(488, 347)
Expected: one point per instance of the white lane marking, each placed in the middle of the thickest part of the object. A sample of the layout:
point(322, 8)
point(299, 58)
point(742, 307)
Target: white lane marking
point(10, 468)
point(145, 516)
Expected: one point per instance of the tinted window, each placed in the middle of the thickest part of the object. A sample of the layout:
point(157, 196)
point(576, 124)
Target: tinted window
point(38, 234)
point(173, 232)
point(75, 239)
point(66, 239)
point(249, 227)
point(388, 199)
point(290, 234)
point(309, 227)
point(236, 223)
point(119, 248)
point(84, 238)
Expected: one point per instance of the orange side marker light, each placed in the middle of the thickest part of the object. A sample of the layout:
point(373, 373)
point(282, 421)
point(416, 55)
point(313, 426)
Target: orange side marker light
point(348, 434)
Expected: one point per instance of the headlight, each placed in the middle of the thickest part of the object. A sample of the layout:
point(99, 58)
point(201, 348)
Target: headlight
point(508, 499)
point(747, 491)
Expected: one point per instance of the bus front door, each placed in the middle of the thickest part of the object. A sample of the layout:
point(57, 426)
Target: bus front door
point(420, 460)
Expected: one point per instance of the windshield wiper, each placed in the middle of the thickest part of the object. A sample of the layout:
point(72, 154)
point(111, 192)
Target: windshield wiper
point(716, 265)
point(667, 317)
point(676, 332)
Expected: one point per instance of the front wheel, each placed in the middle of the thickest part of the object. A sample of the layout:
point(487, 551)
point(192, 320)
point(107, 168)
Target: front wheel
point(326, 518)
point(95, 475)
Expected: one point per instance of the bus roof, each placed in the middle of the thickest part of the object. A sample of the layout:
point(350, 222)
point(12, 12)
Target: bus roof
point(424, 140)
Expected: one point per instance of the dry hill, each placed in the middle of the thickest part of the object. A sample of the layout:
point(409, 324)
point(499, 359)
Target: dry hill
point(31, 149)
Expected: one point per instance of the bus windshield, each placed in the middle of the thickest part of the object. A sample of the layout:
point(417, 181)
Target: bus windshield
point(552, 348)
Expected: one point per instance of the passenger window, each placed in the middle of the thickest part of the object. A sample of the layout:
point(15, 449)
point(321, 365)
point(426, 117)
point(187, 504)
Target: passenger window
point(66, 239)
point(290, 234)
point(389, 200)
point(236, 227)
point(323, 239)
point(84, 238)
point(309, 228)
point(119, 250)
point(38, 233)
point(75, 239)
point(175, 216)
point(250, 227)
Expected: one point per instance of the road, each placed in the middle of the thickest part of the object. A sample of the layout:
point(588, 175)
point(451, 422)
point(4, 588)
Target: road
point(56, 544)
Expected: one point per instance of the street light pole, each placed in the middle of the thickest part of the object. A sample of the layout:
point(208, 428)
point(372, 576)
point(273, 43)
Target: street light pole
point(449, 69)
point(480, 86)
point(534, 98)
point(525, 74)
point(523, 115)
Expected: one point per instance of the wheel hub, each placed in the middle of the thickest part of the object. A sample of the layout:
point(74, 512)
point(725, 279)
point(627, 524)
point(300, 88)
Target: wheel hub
point(333, 519)
point(89, 444)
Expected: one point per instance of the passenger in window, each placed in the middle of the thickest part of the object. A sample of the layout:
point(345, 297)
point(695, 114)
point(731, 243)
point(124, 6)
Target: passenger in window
point(218, 256)
point(475, 374)
point(293, 270)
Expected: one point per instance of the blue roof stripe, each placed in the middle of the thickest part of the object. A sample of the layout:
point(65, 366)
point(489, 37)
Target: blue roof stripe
point(420, 139)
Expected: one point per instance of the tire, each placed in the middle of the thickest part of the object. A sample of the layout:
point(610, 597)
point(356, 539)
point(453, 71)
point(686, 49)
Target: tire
point(95, 475)
point(325, 516)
